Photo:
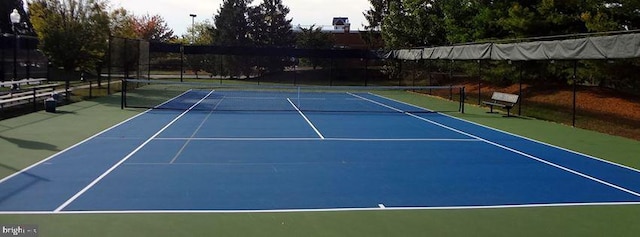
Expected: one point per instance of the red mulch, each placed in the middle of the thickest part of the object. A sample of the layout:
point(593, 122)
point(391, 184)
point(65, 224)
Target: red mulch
point(601, 103)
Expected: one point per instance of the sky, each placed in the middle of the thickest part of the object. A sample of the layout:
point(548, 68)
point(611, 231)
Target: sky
point(304, 12)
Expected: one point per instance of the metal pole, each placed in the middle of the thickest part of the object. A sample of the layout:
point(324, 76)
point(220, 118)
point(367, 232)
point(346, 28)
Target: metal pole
point(430, 75)
point(520, 90)
point(138, 75)
point(2, 39)
point(148, 63)
point(123, 93)
point(413, 81)
point(331, 77)
point(400, 74)
point(479, 81)
point(181, 63)
point(35, 106)
point(366, 71)
point(15, 52)
point(109, 66)
point(193, 28)
point(28, 68)
point(575, 88)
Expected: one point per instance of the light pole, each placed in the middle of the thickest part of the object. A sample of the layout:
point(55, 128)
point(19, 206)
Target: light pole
point(15, 19)
point(193, 29)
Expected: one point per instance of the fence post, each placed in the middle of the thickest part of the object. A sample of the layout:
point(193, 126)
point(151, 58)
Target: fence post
point(123, 93)
point(35, 106)
point(181, 63)
point(109, 66)
point(479, 81)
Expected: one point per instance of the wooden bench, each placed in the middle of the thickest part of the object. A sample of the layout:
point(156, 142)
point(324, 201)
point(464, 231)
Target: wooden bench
point(503, 100)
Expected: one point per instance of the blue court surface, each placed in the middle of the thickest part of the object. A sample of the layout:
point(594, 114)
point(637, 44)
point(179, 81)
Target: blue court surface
point(211, 157)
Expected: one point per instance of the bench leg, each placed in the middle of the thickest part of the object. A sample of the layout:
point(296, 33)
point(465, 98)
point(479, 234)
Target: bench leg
point(490, 109)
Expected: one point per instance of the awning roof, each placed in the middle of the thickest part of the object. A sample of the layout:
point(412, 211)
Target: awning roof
point(601, 47)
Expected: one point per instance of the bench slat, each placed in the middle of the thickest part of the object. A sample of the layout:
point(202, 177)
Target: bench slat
point(499, 96)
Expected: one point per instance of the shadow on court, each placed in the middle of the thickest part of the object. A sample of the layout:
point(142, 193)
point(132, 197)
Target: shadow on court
point(27, 181)
point(33, 145)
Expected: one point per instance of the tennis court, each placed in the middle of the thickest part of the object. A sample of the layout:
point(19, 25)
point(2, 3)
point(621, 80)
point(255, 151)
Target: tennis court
point(233, 151)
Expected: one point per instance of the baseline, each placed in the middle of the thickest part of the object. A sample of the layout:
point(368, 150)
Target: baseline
point(377, 208)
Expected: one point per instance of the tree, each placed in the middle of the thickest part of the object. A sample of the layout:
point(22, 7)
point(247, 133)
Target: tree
point(231, 24)
point(376, 14)
point(413, 23)
point(314, 38)
point(72, 33)
point(152, 28)
point(200, 34)
point(269, 26)
point(458, 16)
point(232, 29)
point(122, 24)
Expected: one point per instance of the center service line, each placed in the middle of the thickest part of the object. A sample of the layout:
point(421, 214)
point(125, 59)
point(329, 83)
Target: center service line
point(306, 119)
point(85, 189)
point(184, 146)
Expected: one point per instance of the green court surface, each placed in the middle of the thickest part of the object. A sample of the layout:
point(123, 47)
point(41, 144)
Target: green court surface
point(28, 139)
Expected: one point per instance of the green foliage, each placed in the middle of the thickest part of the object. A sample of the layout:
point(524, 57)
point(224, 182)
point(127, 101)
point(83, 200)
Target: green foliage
point(152, 28)
point(72, 34)
point(201, 34)
point(269, 26)
point(231, 24)
point(420, 23)
point(413, 23)
point(376, 14)
point(238, 24)
point(232, 29)
point(314, 38)
point(122, 24)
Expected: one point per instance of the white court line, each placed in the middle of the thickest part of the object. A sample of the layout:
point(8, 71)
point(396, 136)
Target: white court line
point(77, 144)
point(315, 139)
point(516, 135)
point(85, 189)
point(69, 148)
point(195, 132)
point(306, 119)
point(509, 149)
point(548, 205)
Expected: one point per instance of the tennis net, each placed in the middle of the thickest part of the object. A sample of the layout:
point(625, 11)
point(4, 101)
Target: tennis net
point(161, 94)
